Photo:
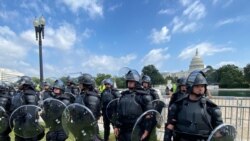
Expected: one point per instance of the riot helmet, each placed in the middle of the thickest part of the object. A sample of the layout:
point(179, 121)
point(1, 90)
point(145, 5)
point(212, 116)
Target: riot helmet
point(70, 81)
point(133, 75)
point(3, 87)
point(181, 84)
point(25, 82)
point(108, 81)
point(87, 80)
point(181, 81)
point(146, 78)
point(59, 85)
point(196, 78)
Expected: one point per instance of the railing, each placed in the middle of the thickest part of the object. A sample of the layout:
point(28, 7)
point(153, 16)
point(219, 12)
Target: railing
point(235, 111)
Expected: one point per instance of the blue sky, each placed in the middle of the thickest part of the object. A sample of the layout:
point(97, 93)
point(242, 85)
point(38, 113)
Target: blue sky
point(101, 36)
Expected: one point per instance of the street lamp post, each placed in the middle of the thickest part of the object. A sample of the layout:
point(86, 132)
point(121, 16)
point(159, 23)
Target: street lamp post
point(39, 30)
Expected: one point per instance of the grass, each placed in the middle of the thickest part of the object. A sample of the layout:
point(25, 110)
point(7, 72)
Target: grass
point(71, 138)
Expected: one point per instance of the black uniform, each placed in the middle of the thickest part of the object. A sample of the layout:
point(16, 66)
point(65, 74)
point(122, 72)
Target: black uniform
point(179, 94)
point(194, 120)
point(28, 96)
point(106, 96)
point(56, 132)
point(155, 96)
point(176, 96)
point(5, 103)
point(91, 100)
point(130, 106)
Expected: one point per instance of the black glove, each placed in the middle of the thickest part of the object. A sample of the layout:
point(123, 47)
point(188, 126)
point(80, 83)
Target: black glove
point(168, 134)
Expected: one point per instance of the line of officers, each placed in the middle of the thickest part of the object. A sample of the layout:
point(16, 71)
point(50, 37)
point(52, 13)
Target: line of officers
point(191, 115)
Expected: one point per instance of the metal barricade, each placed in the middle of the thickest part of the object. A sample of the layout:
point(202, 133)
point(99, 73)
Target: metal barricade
point(235, 111)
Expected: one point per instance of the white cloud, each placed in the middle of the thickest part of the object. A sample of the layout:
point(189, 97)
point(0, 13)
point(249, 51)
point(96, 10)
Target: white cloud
point(64, 37)
point(178, 24)
point(167, 11)
point(87, 33)
point(195, 11)
point(161, 36)
point(156, 57)
point(228, 3)
point(222, 63)
point(114, 7)
point(10, 48)
point(214, 2)
point(185, 2)
point(190, 27)
point(105, 63)
point(93, 7)
point(189, 20)
point(46, 9)
point(205, 49)
point(224, 3)
point(229, 21)
point(8, 15)
point(14, 52)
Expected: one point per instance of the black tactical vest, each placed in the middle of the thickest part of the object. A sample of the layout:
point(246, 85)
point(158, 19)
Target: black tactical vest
point(30, 97)
point(107, 96)
point(128, 109)
point(91, 100)
point(193, 119)
point(5, 102)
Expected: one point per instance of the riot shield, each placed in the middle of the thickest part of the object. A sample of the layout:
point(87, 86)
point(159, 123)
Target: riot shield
point(161, 107)
point(111, 110)
point(148, 120)
point(4, 120)
point(224, 132)
point(79, 122)
point(26, 122)
point(52, 110)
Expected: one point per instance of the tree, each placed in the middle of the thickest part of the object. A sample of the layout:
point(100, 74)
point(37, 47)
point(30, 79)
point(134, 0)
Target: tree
point(154, 74)
point(247, 73)
point(36, 80)
point(229, 76)
point(64, 79)
point(120, 82)
point(211, 75)
point(100, 77)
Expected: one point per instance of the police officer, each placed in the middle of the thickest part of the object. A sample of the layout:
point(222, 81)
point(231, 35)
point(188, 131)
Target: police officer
point(25, 96)
point(107, 95)
point(47, 90)
point(146, 84)
point(132, 103)
point(56, 132)
point(193, 117)
point(88, 95)
point(71, 86)
point(181, 90)
point(5, 103)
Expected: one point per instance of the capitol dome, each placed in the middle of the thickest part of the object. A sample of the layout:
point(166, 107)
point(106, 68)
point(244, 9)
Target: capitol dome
point(196, 63)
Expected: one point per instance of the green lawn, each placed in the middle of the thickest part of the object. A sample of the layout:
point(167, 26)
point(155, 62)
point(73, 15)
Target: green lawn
point(112, 137)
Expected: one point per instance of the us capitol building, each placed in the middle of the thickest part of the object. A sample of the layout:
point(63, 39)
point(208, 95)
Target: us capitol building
point(196, 64)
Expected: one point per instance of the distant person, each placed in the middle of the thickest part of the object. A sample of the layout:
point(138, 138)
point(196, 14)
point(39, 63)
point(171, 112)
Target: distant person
point(169, 88)
point(181, 90)
point(107, 95)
